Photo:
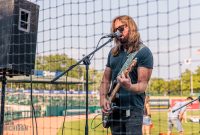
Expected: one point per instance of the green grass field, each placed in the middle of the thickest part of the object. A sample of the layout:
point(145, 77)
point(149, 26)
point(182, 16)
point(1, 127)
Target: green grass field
point(159, 121)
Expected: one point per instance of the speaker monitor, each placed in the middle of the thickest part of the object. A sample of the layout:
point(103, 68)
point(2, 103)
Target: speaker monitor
point(18, 36)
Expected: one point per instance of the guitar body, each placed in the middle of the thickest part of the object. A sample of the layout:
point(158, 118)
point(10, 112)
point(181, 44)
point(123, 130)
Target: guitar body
point(106, 117)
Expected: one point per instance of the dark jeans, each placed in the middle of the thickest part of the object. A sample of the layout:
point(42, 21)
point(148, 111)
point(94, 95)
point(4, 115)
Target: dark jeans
point(121, 124)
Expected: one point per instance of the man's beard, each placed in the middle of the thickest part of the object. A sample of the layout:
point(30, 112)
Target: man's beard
point(123, 40)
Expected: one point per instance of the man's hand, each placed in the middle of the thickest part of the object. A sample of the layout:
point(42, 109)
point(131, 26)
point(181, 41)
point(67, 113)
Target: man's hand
point(180, 118)
point(144, 75)
point(105, 105)
point(125, 81)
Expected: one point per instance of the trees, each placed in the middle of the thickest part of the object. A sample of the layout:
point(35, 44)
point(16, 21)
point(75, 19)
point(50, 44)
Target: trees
point(157, 86)
point(174, 87)
point(58, 62)
point(61, 62)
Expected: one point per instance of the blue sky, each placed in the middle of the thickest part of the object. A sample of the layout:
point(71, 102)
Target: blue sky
point(170, 28)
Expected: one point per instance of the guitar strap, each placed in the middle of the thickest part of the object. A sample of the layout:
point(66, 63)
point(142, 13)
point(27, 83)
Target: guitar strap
point(130, 58)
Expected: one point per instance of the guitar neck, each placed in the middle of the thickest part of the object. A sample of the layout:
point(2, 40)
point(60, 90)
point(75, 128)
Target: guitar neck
point(116, 89)
point(114, 92)
point(129, 66)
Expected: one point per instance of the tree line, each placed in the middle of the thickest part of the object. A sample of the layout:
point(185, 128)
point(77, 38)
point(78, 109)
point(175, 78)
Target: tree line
point(187, 82)
point(157, 86)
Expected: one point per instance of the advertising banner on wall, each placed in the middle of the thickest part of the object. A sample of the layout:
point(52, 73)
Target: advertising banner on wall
point(159, 103)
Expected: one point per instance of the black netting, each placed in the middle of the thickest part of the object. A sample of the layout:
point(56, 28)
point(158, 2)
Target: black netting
point(67, 31)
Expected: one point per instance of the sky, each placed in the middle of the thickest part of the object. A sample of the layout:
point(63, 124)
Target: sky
point(170, 28)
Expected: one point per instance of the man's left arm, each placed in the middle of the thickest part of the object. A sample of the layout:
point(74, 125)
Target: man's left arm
point(144, 75)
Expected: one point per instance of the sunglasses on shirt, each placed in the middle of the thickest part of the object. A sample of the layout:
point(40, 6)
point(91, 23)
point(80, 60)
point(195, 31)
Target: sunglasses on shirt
point(120, 28)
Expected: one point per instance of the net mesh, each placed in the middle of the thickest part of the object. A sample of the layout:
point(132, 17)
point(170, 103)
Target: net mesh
point(68, 30)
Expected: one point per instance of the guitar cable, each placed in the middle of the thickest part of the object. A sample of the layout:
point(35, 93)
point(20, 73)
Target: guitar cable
point(93, 121)
point(98, 124)
point(112, 108)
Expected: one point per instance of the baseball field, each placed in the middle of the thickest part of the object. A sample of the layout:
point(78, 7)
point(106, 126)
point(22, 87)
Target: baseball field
point(75, 125)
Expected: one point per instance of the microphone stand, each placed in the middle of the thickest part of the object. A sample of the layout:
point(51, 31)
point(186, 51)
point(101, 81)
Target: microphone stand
point(186, 104)
point(86, 62)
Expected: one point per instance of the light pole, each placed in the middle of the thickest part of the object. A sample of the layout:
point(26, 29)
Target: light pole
point(180, 64)
point(191, 81)
point(188, 62)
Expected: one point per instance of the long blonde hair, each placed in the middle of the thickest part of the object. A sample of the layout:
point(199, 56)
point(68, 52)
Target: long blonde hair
point(133, 38)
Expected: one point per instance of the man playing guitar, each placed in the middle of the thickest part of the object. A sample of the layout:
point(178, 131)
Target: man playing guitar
point(127, 117)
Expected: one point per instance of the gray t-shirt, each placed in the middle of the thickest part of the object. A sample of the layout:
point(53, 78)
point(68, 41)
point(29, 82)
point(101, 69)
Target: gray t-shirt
point(176, 113)
point(144, 59)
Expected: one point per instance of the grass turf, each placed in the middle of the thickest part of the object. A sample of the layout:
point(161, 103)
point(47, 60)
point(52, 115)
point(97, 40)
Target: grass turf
point(159, 126)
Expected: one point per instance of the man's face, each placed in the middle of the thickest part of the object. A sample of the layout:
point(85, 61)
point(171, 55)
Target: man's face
point(123, 29)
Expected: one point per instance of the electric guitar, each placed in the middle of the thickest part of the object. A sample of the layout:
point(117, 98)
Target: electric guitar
point(113, 91)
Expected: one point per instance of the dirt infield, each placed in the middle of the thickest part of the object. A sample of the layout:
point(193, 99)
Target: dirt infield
point(46, 125)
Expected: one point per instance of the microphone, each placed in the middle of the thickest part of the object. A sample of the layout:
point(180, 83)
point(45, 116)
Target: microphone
point(117, 34)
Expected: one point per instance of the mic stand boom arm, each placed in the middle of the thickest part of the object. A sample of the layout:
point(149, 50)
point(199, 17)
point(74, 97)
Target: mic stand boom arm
point(83, 59)
point(86, 61)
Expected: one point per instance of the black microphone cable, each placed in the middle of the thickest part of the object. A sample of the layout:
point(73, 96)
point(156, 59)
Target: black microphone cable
point(96, 46)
